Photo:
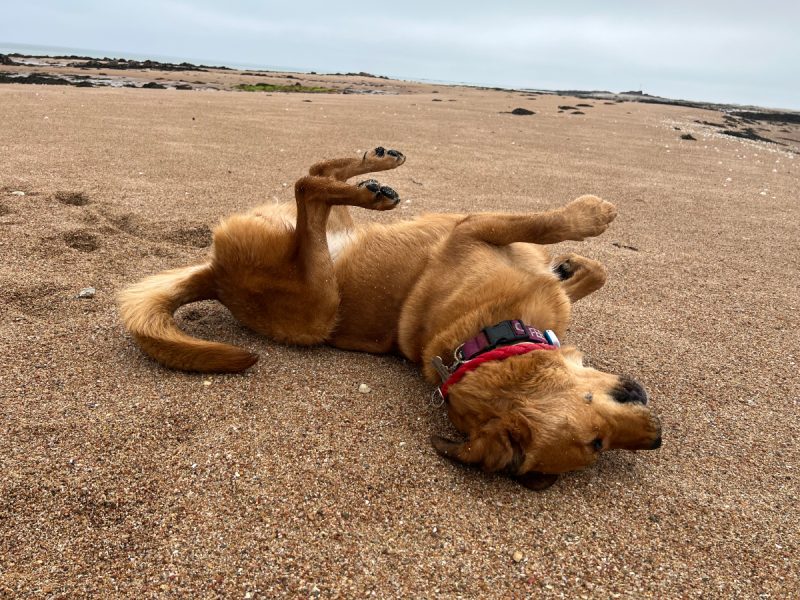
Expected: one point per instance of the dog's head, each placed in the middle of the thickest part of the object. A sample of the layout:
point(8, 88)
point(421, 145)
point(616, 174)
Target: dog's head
point(540, 414)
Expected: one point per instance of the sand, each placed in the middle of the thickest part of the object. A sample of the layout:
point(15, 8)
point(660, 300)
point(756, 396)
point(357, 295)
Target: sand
point(119, 478)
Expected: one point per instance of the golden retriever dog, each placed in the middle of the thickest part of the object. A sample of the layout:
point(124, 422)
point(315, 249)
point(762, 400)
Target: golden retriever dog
point(476, 300)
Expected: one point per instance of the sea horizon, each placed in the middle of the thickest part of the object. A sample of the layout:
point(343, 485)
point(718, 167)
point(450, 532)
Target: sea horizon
point(43, 50)
point(46, 50)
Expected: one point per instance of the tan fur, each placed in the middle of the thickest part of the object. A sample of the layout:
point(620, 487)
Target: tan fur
point(419, 288)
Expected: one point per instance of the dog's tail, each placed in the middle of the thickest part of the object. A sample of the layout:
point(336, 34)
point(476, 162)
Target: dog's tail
point(147, 310)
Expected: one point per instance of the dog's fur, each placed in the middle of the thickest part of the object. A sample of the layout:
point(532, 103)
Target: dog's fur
point(303, 274)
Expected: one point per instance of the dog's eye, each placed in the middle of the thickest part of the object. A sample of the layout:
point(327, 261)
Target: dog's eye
point(597, 444)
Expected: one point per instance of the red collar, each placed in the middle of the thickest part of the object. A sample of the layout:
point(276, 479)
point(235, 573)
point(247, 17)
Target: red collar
point(496, 354)
point(498, 342)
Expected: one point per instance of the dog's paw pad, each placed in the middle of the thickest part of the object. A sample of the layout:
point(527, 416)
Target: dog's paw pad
point(381, 152)
point(564, 270)
point(385, 198)
point(371, 185)
point(389, 193)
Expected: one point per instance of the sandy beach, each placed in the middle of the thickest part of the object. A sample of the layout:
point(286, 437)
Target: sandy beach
point(119, 478)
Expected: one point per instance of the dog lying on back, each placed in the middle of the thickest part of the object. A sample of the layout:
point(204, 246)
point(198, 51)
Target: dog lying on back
point(476, 300)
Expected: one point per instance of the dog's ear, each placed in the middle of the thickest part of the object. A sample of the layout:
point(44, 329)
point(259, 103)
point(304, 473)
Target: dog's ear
point(499, 445)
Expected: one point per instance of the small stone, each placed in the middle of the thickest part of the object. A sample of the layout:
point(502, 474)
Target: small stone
point(364, 388)
point(207, 382)
point(17, 193)
point(88, 292)
point(517, 556)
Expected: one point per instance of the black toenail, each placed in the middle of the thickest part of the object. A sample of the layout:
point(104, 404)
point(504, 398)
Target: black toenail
point(394, 153)
point(380, 150)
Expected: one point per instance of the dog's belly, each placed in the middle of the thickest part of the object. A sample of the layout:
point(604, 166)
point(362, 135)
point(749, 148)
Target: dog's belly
point(376, 268)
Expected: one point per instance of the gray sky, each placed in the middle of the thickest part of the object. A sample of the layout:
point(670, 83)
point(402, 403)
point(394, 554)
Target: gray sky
point(740, 52)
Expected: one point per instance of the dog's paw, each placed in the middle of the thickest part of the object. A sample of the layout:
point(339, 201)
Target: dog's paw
point(588, 216)
point(564, 269)
point(385, 159)
point(384, 197)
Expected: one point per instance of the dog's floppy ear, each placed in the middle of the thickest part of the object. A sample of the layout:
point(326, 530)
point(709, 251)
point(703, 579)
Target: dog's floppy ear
point(497, 446)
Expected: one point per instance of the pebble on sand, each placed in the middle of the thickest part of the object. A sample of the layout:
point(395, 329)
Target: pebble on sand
point(364, 388)
point(17, 193)
point(87, 292)
point(517, 556)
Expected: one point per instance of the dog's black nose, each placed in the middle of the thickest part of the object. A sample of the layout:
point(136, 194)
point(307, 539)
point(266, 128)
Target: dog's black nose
point(628, 390)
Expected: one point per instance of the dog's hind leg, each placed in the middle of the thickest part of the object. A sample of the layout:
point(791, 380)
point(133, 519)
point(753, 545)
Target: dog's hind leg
point(342, 169)
point(580, 276)
point(588, 216)
point(372, 161)
point(281, 281)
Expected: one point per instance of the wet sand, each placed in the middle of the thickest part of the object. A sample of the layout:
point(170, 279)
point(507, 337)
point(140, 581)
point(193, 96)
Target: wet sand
point(119, 478)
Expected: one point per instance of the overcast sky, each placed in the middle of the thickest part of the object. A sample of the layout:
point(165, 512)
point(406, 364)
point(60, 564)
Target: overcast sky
point(725, 51)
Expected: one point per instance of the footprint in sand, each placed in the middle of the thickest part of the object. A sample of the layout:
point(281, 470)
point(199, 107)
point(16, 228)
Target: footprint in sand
point(38, 300)
point(81, 240)
point(72, 198)
point(197, 235)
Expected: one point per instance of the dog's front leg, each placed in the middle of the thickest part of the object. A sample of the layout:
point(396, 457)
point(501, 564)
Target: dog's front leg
point(580, 276)
point(588, 216)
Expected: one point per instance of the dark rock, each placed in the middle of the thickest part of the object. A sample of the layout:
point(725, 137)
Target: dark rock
point(771, 117)
point(749, 134)
point(522, 111)
point(40, 78)
point(688, 136)
point(152, 85)
point(123, 63)
point(6, 60)
point(709, 123)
